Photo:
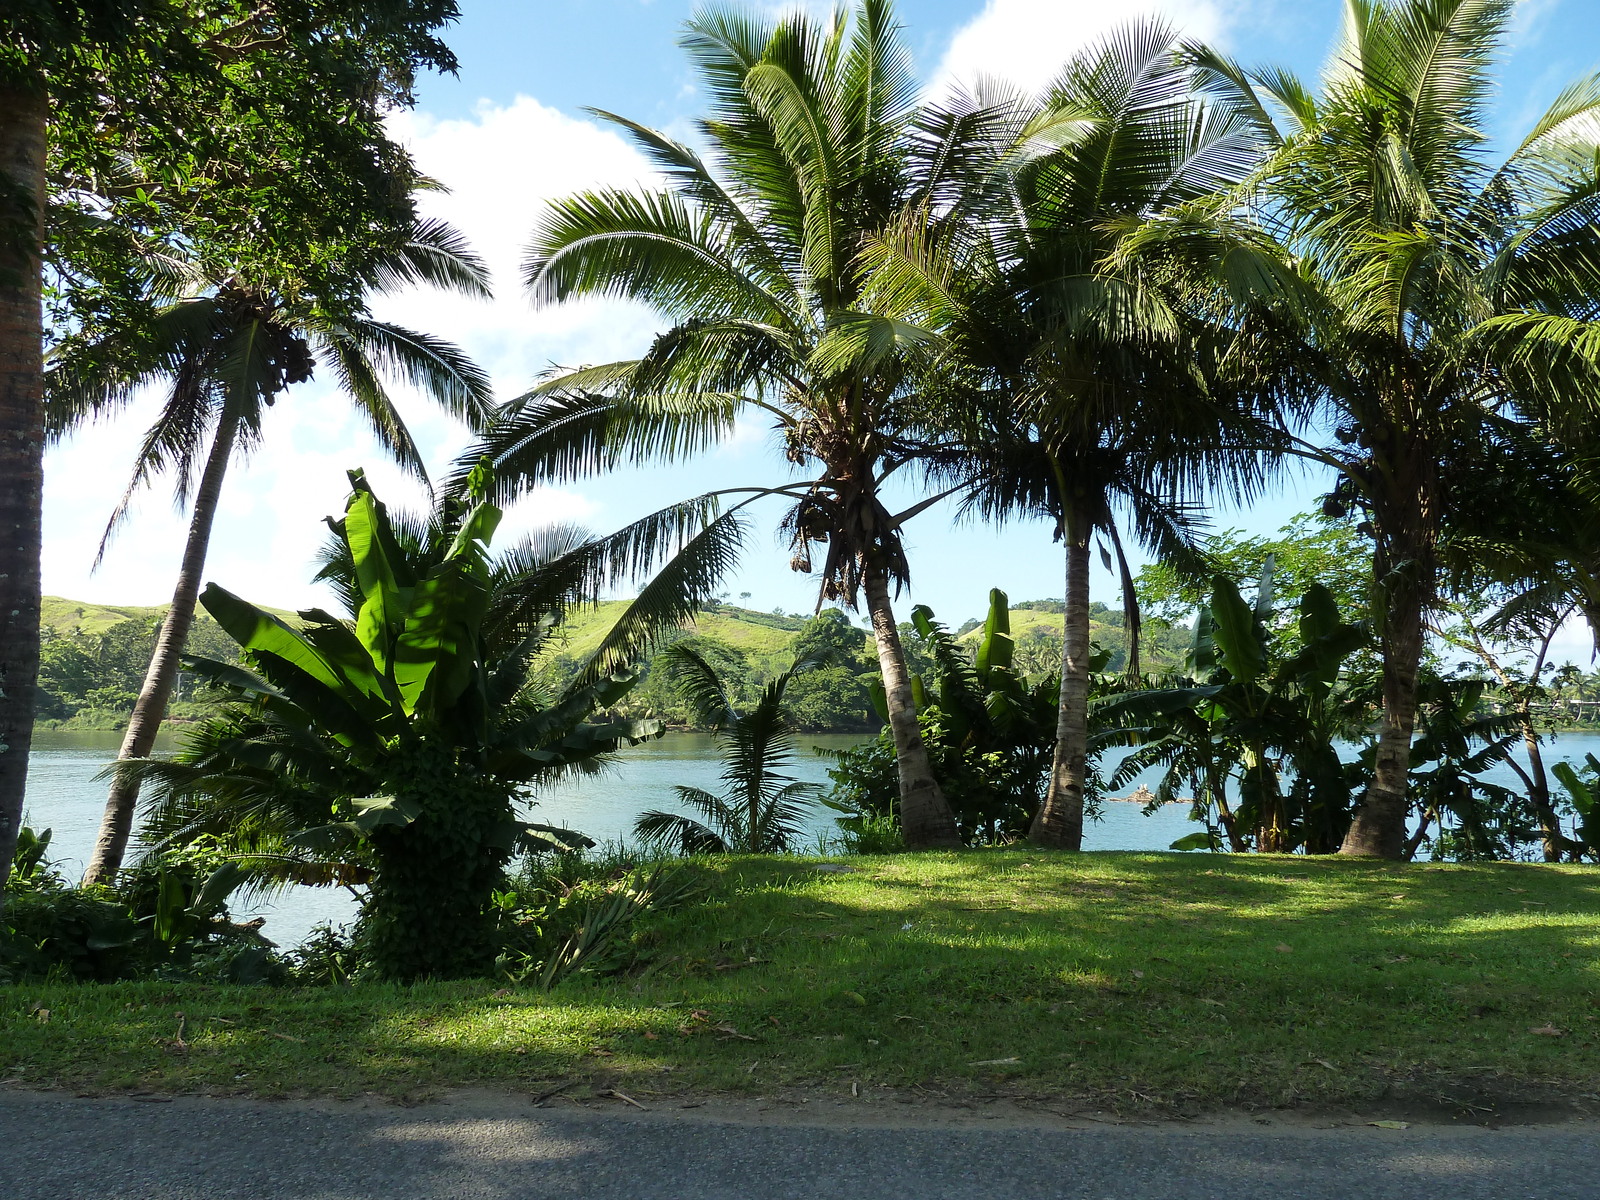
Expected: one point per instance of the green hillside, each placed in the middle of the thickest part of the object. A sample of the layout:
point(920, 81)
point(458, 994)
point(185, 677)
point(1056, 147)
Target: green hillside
point(753, 633)
point(68, 617)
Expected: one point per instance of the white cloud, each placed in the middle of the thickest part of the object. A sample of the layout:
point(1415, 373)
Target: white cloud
point(1027, 41)
point(501, 165)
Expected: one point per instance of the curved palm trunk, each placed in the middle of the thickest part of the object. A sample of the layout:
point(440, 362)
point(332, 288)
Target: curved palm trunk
point(925, 815)
point(1059, 822)
point(1379, 827)
point(23, 125)
point(116, 824)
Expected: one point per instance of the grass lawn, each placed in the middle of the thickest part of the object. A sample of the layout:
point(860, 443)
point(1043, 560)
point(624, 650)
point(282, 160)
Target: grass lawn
point(1195, 981)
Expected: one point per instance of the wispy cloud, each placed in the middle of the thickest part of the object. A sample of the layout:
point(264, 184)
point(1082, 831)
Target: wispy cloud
point(1026, 41)
point(501, 165)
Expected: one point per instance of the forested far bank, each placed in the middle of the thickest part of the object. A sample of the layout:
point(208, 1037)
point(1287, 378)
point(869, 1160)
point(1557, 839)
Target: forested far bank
point(93, 659)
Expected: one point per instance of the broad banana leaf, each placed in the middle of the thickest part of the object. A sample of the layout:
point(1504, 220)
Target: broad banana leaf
point(1237, 633)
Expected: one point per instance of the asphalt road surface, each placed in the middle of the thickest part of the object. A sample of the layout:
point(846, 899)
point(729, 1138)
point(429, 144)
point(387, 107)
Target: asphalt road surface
point(54, 1147)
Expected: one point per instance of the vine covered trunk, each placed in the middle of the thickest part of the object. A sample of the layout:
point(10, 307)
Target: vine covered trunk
point(430, 909)
point(925, 816)
point(116, 823)
point(23, 126)
point(1059, 821)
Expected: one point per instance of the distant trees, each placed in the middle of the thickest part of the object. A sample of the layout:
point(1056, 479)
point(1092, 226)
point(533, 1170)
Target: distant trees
point(100, 674)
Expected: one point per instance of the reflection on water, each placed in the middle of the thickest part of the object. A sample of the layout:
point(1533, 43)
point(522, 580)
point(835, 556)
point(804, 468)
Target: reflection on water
point(64, 796)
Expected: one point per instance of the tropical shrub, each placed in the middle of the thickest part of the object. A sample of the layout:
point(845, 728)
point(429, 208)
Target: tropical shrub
point(761, 810)
point(572, 913)
point(991, 734)
point(1260, 714)
point(166, 918)
point(392, 749)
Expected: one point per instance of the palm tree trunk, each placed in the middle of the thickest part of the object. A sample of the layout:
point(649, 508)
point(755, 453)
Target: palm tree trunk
point(1539, 792)
point(925, 816)
point(23, 128)
point(116, 824)
point(1059, 822)
point(1538, 782)
point(1379, 827)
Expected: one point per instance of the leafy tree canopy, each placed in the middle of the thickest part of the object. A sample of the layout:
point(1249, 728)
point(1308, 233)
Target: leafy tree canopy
point(182, 128)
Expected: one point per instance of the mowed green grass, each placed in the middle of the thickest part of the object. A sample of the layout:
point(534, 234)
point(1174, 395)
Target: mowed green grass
point(1189, 980)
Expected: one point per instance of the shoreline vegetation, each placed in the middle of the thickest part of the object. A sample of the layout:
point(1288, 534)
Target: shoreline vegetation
point(1141, 982)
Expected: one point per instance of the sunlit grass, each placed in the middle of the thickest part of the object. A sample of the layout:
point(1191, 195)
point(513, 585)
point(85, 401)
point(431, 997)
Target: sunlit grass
point(1192, 979)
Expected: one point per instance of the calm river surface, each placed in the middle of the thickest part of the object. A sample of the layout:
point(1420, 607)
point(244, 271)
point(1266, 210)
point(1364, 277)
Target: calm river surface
point(64, 796)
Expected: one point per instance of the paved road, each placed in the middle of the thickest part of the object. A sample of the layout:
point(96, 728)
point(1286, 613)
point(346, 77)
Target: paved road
point(57, 1148)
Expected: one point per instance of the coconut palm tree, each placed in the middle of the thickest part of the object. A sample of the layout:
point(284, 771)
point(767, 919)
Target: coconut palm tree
point(752, 257)
point(224, 353)
point(1421, 285)
point(1093, 398)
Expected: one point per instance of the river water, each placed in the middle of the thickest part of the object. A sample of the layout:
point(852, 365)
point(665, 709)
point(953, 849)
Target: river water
point(65, 797)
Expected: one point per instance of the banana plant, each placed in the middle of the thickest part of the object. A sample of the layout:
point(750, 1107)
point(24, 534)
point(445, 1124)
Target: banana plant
point(1583, 791)
point(395, 747)
point(993, 730)
point(1254, 714)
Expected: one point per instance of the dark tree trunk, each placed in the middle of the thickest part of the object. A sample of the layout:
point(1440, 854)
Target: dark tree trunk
point(1404, 570)
point(1539, 792)
point(116, 824)
point(23, 127)
point(925, 815)
point(1379, 827)
point(1059, 821)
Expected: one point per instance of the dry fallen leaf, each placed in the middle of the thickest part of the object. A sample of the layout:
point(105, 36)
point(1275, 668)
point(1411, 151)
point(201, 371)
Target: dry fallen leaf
point(1548, 1031)
point(856, 998)
point(651, 1037)
point(1282, 949)
point(994, 1062)
point(1390, 1124)
point(1137, 974)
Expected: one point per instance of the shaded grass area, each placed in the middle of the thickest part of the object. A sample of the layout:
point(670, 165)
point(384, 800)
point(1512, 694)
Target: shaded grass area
point(1183, 980)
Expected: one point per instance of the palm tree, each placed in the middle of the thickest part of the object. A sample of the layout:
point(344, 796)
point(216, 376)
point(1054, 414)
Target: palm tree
point(224, 354)
point(394, 746)
point(1092, 399)
point(762, 810)
point(167, 125)
point(753, 259)
point(1420, 285)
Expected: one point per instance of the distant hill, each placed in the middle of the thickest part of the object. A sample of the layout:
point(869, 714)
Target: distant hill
point(78, 616)
point(754, 633)
point(95, 656)
point(68, 617)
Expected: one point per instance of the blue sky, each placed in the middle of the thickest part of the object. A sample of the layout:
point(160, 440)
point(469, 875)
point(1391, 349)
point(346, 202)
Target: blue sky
point(511, 131)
